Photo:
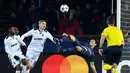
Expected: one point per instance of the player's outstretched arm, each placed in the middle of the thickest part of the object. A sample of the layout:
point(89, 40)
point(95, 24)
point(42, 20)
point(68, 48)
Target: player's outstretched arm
point(27, 34)
point(56, 41)
point(93, 67)
point(102, 39)
point(127, 34)
point(50, 37)
point(21, 41)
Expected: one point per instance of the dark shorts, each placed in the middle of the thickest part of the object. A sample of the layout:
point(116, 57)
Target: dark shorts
point(113, 54)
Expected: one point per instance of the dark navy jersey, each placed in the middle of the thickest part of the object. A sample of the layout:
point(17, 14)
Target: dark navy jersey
point(88, 49)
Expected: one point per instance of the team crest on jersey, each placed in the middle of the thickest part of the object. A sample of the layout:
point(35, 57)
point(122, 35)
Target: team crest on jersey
point(45, 30)
point(42, 34)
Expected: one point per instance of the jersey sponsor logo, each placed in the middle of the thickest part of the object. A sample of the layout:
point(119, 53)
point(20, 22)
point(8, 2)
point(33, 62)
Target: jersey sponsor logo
point(42, 34)
point(38, 39)
point(14, 45)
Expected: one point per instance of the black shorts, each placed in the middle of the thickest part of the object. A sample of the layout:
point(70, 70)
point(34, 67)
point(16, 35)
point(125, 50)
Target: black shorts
point(113, 54)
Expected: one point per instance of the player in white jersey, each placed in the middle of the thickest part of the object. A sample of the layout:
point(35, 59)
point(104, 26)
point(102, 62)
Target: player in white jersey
point(17, 32)
point(12, 48)
point(36, 45)
point(23, 67)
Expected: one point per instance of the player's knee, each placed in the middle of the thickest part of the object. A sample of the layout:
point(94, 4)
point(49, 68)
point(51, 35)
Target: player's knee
point(18, 67)
point(72, 37)
point(107, 67)
point(24, 61)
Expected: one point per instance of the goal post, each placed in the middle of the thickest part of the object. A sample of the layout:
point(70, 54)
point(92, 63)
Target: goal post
point(123, 22)
point(118, 14)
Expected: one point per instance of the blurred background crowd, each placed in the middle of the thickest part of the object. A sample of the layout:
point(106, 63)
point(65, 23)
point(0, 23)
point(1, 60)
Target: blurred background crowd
point(85, 17)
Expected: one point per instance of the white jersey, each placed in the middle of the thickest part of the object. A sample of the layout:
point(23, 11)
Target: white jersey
point(20, 38)
point(12, 45)
point(38, 39)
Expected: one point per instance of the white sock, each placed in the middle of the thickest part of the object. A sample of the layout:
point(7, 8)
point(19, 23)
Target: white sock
point(28, 71)
point(24, 69)
point(17, 71)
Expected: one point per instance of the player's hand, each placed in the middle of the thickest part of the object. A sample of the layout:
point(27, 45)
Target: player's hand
point(16, 57)
point(29, 67)
point(100, 51)
point(60, 49)
point(127, 33)
point(128, 39)
point(56, 41)
point(123, 43)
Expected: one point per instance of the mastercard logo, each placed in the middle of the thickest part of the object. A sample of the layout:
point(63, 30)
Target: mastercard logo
point(61, 64)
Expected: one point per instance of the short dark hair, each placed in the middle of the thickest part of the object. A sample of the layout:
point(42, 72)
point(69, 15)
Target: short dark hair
point(10, 26)
point(111, 20)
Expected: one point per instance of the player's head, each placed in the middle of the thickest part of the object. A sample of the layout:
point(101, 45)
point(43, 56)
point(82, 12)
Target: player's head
point(17, 30)
point(42, 24)
point(111, 20)
point(92, 42)
point(11, 30)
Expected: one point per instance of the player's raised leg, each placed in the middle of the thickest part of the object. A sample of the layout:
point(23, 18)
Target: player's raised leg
point(75, 42)
point(18, 69)
point(32, 57)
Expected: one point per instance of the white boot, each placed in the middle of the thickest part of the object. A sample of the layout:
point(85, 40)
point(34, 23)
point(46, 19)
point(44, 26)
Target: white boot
point(28, 71)
point(24, 69)
point(17, 71)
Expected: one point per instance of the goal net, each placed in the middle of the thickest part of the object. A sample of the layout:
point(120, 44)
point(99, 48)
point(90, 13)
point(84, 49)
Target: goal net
point(123, 22)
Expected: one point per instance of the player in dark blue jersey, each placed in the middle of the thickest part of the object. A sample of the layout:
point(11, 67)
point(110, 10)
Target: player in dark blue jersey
point(84, 48)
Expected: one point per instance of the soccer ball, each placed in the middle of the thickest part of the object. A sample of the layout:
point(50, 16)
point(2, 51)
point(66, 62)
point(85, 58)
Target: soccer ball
point(64, 8)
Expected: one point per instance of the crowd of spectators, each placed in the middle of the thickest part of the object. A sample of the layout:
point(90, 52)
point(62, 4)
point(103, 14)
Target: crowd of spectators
point(82, 19)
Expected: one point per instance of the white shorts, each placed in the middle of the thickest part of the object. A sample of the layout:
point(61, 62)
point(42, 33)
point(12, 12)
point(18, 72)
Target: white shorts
point(32, 56)
point(15, 62)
